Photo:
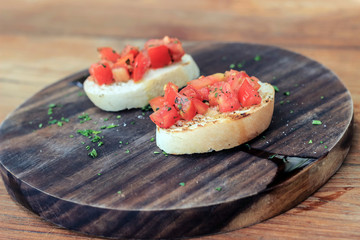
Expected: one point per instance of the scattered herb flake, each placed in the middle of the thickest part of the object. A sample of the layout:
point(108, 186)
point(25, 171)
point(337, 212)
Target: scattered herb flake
point(281, 102)
point(316, 122)
point(71, 136)
point(93, 153)
point(132, 122)
point(165, 154)
point(99, 174)
point(271, 156)
point(218, 189)
point(100, 144)
point(310, 141)
point(232, 65)
point(59, 124)
point(248, 146)
point(52, 105)
point(257, 58)
point(120, 142)
point(156, 152)
point(119, 192)
point(112, 126)
point(106, 119)
point(127, 151)
point(87, 147)
point(275, 88)
point(321, 142)
point(322, 97)
point(80, 93)
point(84, 117)
point(182, 184)
point(118, 116)
point(40, 125)
point(291, 111)
point(287, 93)
point(152, 139)
point(325, 146)
point(146, 108)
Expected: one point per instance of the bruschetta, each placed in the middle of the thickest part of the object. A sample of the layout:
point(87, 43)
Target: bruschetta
point(131, 78)
point(212, 113)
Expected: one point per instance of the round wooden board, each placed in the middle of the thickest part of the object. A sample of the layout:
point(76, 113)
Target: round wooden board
point(133, 190)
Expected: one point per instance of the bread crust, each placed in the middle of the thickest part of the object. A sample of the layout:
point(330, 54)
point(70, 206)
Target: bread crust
point(216, 131)
point(126, 95)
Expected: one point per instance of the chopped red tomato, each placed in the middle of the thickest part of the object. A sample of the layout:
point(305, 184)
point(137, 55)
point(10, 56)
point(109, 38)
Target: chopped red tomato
point(141, 65)
point(254, 81)
point(107, 53)
point(190, 92)
point(130, 50)
point(102, 73)
point(175, 48)
point(201, 108)
point(206, 81)
point(157, 103)
point(171, 92)
point(247, 95)
point(159, 56)
point(185, 107)
point(223, 96)
point(165, 117)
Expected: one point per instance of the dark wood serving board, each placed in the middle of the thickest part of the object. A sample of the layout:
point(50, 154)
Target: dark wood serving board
point(130, 190)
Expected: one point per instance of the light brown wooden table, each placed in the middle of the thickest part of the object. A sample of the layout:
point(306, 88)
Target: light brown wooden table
point(43, 41)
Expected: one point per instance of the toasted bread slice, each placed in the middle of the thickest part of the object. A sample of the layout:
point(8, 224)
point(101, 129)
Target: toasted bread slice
point(216, 131)
point(125, 95)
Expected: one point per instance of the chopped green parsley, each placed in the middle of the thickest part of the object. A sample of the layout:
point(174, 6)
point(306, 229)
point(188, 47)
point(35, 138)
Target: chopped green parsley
point(316, 122)
point(182, 184)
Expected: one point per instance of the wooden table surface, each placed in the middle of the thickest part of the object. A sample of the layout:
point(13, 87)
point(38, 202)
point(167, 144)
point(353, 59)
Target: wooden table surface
point(43, 41)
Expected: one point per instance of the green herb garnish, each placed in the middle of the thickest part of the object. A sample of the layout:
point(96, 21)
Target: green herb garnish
point(287, 93)
point(93, 153)
point(316, 122)
point(257, 58)
point(152, 139)
point(182, 184)
point(232, 65)
point(275, 88)
point(218, 189)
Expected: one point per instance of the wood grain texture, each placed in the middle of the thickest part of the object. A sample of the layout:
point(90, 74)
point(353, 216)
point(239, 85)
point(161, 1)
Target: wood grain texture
point(42, 41)
point(130, 191)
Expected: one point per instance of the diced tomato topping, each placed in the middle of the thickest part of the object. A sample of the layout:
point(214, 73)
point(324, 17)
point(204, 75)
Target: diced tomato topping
point(206, 81)
point(107, 53)
point(141, 65)
point(175, 48)
point(120, 73)
point(223, 96)
point(130, 50)
point(248, 96)
point(157, 103)
point(102, 73)
point(190, 92)
point(171, 92)
point(165, 117)
point(157, 53)
point(254, 81)
point(185, 107)
point(201, 108)
point(229, 92)
point(159, 56)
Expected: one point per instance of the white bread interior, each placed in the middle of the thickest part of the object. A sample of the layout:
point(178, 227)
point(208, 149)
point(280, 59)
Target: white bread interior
point(125, 95)
point(216, 131)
